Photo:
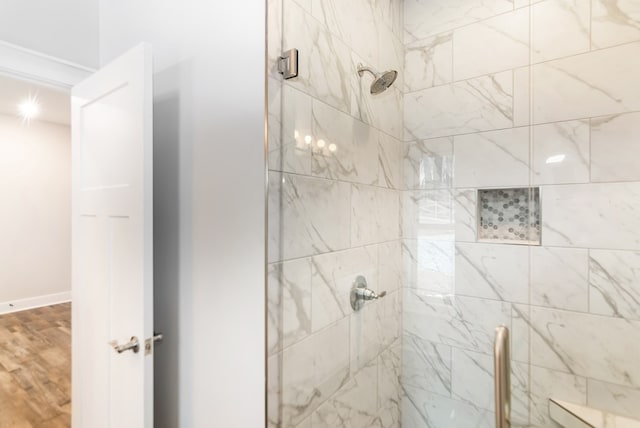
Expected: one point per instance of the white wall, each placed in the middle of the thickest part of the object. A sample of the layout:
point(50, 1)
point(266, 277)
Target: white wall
point(66, 29)
point(209, 202)
point(35, 218)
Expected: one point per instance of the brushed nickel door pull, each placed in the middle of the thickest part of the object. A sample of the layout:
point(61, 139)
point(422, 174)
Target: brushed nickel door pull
point(502, 377)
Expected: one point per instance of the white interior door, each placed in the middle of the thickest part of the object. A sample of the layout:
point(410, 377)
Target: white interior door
point(112, 246)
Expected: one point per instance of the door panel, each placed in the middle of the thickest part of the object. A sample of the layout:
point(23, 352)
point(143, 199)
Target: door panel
point(112, 243)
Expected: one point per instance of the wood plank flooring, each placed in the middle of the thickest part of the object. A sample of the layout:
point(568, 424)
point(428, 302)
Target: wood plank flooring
point(35, 368)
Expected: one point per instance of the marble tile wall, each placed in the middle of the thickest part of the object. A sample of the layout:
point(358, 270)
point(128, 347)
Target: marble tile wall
point(335, 159)
point(516, 93)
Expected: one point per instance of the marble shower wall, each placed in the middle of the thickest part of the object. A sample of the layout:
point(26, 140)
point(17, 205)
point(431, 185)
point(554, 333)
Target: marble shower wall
point(335, 184)
point(513, 93)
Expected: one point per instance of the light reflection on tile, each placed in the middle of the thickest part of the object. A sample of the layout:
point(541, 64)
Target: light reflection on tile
point(561, 152)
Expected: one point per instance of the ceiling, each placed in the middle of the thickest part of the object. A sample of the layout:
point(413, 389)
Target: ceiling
point(55, 104)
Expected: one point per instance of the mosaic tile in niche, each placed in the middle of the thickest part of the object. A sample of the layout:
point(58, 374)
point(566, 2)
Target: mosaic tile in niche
point(509, 215)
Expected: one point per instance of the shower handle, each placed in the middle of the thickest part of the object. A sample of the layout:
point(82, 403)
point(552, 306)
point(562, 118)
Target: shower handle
point(360, 293)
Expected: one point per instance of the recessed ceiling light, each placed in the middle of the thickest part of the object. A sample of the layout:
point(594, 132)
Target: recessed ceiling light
point(29, 108)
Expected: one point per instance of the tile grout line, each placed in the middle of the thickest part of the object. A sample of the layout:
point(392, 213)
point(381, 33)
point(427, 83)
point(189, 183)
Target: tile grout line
point(584, 118)
point(531, 65)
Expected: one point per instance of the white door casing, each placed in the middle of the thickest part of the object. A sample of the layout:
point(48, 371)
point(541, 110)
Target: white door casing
point(112, 243)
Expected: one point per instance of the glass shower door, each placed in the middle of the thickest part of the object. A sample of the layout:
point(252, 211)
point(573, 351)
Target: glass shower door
point(335, 188)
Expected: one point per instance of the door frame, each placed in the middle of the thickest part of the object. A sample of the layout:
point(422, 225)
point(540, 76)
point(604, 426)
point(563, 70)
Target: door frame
point(33, 66)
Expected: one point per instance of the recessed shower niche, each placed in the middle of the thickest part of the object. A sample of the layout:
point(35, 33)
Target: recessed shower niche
point(509, 215)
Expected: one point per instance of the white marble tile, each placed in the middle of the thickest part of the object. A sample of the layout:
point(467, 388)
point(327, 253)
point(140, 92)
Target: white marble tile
point(614, 22)
point(473, 105)
point(291, 152)
point(332, 278)
point(426, 365)
point(613, 398)
point(306, 423)
point(274, 391)
point(374, 327)
point(391, 14)
point(615, 283)
point(559, 278)
point(274, 125)
point(591, 215)
point(313, 370)
point(517, 4)
point(427, 409)
point(388, 112)
point(390, 265)
point(390, 317)
point(365, 340)
point(354, 22)
point(305, 4)
point(592, 84)
point(520, 387)
point(429, 264)
point(615, 152)
point(522, 96)
point(472, 378)
point(274, 37)
point(382, 111)
point(423, 18)
point(354, 405)
point(390, 159)
point(547, 384)
point(491, 159)
point(289, 304)
point(427, 213)
point(389, 385)
point(428, 62)
point(597, 347)
point(391, 54)
point(306, 216)
point(561, 152)
point(560, 28)
point(375, 215)
point(428, 164)
point(411, 416)
point(390, 371)
point(491, 45)
point(463, 322)
point(325, 69)
point(465, 212)
point(493, 271)
point(342, 147)
point(520, 333)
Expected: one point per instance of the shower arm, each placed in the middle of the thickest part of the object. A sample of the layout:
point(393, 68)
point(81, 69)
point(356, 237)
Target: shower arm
point(362, 69)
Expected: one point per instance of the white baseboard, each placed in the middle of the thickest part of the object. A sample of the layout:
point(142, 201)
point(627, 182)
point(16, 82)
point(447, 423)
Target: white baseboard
point(34, 302)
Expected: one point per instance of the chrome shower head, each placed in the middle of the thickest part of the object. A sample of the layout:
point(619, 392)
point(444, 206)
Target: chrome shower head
point(381, 81)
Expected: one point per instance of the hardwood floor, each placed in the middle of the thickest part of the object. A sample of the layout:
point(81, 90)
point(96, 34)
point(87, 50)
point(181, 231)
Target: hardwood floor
point(35, 368)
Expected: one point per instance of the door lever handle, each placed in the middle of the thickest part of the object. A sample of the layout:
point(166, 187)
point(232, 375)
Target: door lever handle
point(149, 343)
point(132, 345)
